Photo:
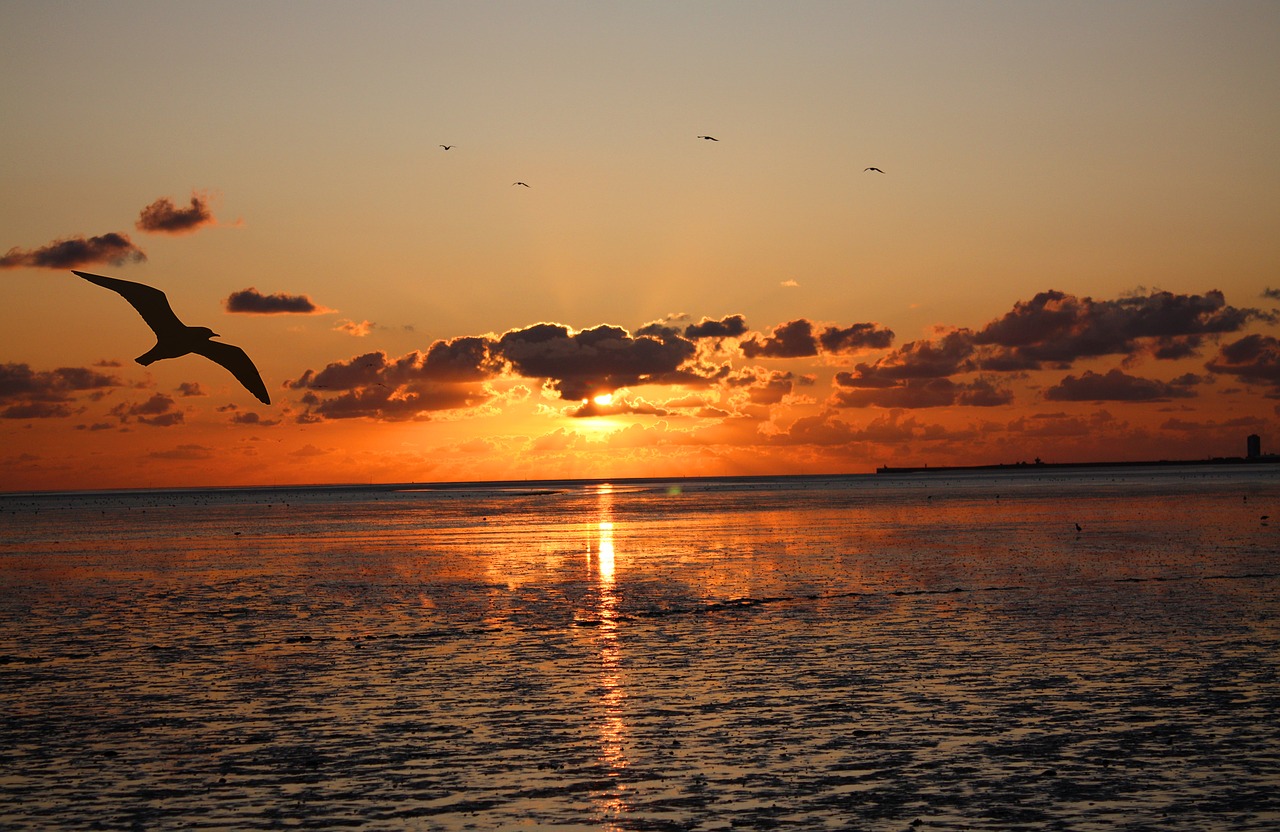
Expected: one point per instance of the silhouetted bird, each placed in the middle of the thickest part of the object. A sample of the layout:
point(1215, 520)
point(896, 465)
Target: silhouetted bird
point(447, 146)
point(174, 338)
point(877, 170)
point(709, 138)
point(1079, 528)
point(519, 183)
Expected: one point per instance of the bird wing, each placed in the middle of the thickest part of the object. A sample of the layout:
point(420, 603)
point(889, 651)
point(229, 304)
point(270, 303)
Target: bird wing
point(150, 302)
point(238, 362)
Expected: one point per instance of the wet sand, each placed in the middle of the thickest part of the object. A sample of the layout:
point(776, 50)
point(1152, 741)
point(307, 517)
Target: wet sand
point(903, 655)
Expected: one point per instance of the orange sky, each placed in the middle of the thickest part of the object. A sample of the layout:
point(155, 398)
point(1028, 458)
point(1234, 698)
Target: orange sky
point(1072, 252)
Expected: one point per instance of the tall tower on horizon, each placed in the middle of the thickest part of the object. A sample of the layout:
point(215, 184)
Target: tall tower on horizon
point(1253, 446)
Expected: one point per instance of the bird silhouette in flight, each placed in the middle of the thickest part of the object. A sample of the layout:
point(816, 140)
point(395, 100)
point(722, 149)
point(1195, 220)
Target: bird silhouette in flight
point(877, 170)
point(709, 138)
point(520, 183)
point(174, 338)
point(447, 146)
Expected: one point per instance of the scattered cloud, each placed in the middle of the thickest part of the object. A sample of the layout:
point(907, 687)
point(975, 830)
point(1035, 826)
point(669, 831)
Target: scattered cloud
point(157, 411)
point(790, 284)
point(34, 394)
point(164, 217)
point(732, 326)
point(252, 302)
point(185, 452)
point(70, 252)
point(188, 389)
point(797, 339)
point(355, 330)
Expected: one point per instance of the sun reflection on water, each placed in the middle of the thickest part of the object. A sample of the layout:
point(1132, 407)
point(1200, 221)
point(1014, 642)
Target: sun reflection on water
point(612, 726)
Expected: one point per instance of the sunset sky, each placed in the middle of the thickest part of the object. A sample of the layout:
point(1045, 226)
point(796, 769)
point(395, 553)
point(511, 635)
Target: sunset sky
point(1072, 253)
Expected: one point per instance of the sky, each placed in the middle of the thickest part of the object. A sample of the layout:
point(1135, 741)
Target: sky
point(1070, 250)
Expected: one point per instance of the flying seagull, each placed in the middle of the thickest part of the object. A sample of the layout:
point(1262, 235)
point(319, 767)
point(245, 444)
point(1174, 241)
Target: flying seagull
point(174, 338)
point(447, 146)
point(519, 183)
point(709, 138)
point(877, 170)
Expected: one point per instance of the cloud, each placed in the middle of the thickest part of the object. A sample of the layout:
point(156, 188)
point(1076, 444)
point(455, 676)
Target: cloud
point(356, 330)
point(374, 386)
point(252, 302)
point(855, 338)
point(31, 394)
point(1253, 358)
point(163, 217)
point(617, 407)
point(1117, 386)
point(731, 326)
point(157, 411)
point(923, 392)
point(1273, 294)
point(580, 365)
point(1055, 329)
point(796, 339)
point(71, 252)
point(190, 388)
point(790, 284)
point(188, 451)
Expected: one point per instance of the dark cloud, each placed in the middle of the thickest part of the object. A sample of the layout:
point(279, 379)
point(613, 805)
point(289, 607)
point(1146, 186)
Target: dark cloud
point(190, 388)
point(163, 217)
point(1057, 328)
point(729, 327)
point(31, 394)
point(1117, 386)
point(71, 252)
point(923, 392)
point(794, 339)
point(375, 386)
point(926, 359)
point(1273, 294)
point(580, 365)
point(157, 411)
point(855, 338)
point(252, 302)
point(1253, 358)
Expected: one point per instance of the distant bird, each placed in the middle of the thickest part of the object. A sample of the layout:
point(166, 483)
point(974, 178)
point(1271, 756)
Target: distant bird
point(520, 183)
point(1079, 528)
point(877, 170)
point(709, 138)
point(174, 338)
point(447, 146)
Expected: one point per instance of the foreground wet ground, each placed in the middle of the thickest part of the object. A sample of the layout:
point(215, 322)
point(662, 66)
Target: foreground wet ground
point(924, 661)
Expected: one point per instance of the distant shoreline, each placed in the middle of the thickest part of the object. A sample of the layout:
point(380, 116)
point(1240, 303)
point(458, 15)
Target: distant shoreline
point(1038, 466)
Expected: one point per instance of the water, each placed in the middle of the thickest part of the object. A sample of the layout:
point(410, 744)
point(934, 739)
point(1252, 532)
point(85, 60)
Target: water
point(928, 652)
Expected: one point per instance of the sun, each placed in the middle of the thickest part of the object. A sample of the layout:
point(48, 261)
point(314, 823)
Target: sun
point(604, 399)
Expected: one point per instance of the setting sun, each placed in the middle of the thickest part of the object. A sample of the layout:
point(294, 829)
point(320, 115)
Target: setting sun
point(603, 399)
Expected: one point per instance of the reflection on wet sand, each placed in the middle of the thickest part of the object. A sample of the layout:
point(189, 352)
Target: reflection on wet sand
point(801, 655)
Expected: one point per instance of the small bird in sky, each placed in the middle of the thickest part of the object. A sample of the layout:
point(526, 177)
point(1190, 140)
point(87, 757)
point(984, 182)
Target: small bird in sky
point(519, 183)
point(877, 170)
point(174, 338)
point(447, 146)
point(709, 138)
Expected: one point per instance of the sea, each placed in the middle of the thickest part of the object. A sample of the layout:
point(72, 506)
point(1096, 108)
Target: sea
point(1061, 649)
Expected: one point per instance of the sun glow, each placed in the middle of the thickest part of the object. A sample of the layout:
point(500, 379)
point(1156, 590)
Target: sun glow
point(603, 399)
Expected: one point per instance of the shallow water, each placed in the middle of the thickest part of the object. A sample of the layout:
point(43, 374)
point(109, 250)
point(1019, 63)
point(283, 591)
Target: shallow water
point(936, 652)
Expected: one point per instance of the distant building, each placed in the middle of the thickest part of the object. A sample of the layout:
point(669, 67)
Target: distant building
point(1254, 446)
